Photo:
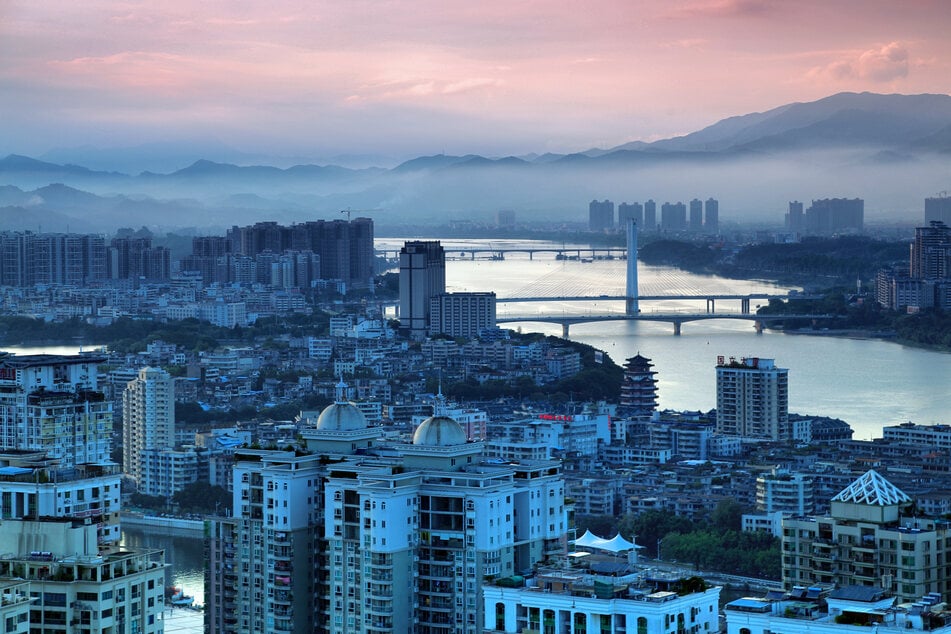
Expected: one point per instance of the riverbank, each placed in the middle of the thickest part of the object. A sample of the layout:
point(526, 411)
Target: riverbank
point(141, 520)
point(851, 333)
point(183, 620)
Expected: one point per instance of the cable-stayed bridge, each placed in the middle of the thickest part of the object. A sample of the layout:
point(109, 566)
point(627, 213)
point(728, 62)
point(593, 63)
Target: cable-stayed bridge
point(668, 286)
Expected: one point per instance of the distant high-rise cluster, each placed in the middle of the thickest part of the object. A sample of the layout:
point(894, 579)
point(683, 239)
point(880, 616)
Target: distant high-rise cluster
point(702, 218)
point(827, 216)
point(74, 259)
point(288, 256)
point(926, 281)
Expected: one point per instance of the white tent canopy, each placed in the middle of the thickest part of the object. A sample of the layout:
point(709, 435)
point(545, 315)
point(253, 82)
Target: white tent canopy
point(617, 544)
point(589, 540)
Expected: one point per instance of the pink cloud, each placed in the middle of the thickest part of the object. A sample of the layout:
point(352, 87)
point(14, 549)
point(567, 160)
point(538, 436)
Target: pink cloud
point(885, 64)
point(882, 64)
point(725, 8)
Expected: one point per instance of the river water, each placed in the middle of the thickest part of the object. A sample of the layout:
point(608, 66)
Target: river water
point(184, 551)
point(867, 383)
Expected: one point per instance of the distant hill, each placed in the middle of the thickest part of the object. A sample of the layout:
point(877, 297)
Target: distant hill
point(863, 119)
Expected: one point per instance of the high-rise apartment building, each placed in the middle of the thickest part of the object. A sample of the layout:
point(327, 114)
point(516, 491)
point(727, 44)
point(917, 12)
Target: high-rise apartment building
point(931, 252)
point(696, 215)
point(832, 215)
point(74, 585)
point(206, 250)
point(650, 215)
point(938, 209)
point(600, 215)
point(52, 403)
point(51, 258)
point(673, 217)
point(753, 399)
point(795, 219)
point(505, 218)
point(711, 221)
point(873, 537)
point(354, 536)
point(461, 314)
point(422, 277)
point(148, 425)
point(630, 211)
point(33, 485)
point(132, 258)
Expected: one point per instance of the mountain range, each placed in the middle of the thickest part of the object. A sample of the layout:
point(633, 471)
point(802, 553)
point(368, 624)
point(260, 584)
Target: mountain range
point(892, 150)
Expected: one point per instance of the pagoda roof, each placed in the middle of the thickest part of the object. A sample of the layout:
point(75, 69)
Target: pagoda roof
point(872, 489)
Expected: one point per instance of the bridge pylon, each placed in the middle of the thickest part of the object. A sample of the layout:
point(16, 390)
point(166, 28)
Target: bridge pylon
point(631, 296)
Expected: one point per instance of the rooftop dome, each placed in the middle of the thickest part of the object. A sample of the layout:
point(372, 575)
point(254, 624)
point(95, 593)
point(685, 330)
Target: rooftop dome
point(439, 431)
point(341, 415)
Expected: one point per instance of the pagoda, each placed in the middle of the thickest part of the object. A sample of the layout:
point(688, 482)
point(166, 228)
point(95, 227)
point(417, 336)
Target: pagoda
point(639, 386)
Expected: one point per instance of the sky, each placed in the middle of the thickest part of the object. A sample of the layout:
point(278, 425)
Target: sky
point(404, 78)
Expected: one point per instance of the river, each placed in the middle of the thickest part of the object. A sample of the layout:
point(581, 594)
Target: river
point(868, 383)
point(184, 551)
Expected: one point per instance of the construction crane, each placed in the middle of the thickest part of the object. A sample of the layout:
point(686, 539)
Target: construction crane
point(349, 211)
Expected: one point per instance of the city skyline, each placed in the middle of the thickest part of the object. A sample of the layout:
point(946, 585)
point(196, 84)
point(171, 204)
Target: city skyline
point(399, 79)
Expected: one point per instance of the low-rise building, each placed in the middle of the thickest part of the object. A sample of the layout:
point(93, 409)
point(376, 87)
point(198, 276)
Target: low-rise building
point(611, 599)
point(846, 610)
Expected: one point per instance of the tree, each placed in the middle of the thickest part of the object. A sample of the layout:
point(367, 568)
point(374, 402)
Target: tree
point(202, 497)
point(728, 515)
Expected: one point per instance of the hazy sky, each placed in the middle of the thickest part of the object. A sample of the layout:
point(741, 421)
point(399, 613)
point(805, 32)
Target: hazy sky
point(421, 77)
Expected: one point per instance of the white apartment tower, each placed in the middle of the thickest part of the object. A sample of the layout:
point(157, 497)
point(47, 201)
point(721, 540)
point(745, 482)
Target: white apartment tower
point(148, 423)
point(461, 314)
point(753, 399)
point(52, 403)
point(354, 536)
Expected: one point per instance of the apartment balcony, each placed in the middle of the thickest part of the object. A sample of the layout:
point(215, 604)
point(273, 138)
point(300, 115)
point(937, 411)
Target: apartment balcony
point(866, 573)
point(437, 603)
point(435, 588)
point(379, 609)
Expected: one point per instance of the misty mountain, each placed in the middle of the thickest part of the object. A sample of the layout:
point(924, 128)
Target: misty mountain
point(844, 119)
point(25, 167)
point(892, 150)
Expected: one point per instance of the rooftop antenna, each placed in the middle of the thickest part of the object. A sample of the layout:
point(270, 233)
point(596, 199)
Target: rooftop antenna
point(439, 404)
point(340, 390)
